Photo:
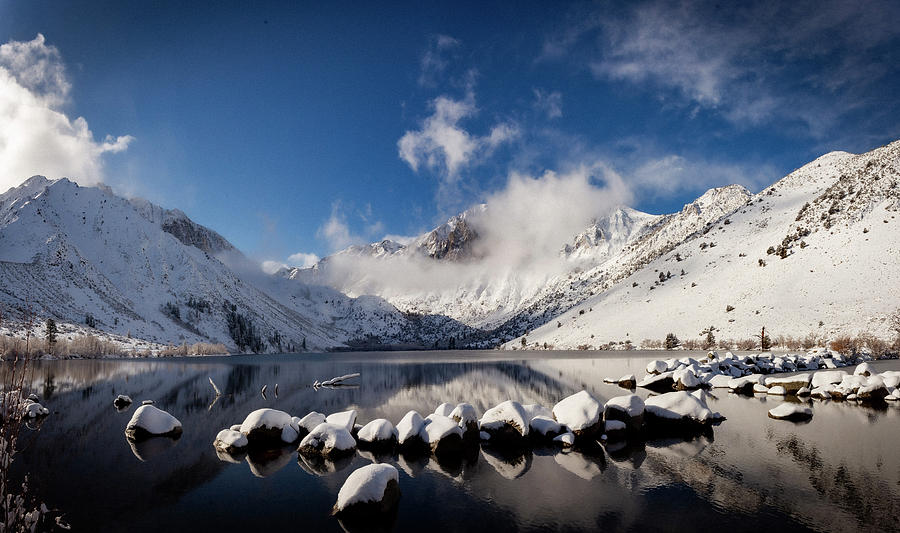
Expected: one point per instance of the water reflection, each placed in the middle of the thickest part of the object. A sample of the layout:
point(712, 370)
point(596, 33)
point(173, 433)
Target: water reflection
point(841, 471)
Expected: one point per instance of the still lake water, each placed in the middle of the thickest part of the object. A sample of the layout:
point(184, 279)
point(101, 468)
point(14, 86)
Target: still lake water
point(840, 472)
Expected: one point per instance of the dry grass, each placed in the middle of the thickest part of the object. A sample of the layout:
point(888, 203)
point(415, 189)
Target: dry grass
point(200, 348)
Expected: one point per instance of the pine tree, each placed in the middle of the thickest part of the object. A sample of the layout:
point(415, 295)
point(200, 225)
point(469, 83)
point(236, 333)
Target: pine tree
point(51, 334)
point(672, 341)
point(710, 341)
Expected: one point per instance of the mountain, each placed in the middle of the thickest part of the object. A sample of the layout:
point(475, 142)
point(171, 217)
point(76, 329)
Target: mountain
point(708, 255)
point(813, 254)
point(83, 254)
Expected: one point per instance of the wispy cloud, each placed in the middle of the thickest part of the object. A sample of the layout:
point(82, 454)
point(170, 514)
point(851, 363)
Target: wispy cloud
point(803, 62)
point(435, 59)
point(336, 231)
point(548, 102)
point(36, 136)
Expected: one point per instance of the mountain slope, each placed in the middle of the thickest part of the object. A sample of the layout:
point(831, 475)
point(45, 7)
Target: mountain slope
point(83, 254)
point(827, 234)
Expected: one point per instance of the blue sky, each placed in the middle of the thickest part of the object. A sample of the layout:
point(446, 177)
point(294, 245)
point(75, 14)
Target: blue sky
point(302, 127)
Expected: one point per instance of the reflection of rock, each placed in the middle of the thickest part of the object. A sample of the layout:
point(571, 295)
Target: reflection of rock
point(582, 465)
point(627, 452)
point(234, 458)
point(323, 465)
point(147, 448)
point(412, 464)
point(265, 462)
point(510, 464)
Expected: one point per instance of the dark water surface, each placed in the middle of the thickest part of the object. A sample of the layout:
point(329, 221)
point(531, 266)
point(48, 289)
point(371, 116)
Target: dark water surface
point(840, 472)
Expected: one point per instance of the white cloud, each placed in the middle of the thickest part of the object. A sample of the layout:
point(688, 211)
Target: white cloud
point(443, 145)
point(36, 137)
point(271, 267)
point(548, 102)
point(520, 235)
point(302, 260)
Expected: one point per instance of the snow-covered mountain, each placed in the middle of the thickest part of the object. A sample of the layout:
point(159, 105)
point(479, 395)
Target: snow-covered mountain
point(714, 243)
point(84, 255)
point(815, 253)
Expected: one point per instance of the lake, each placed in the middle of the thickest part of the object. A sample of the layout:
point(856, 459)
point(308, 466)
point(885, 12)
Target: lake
point(839, 472)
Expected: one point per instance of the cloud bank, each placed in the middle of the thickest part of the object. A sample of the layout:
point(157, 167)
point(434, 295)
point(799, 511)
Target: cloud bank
point(37, 137)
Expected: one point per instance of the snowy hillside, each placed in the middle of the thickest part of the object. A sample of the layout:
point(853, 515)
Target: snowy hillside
point(827, 219)
point(814, 253)
point(84, 255)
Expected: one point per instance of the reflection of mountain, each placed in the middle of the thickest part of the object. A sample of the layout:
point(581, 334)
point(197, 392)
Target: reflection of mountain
point(753, 469)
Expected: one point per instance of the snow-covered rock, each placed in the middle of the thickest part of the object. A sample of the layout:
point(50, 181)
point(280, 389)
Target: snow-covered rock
point(308, 422)
point(266, 426)
point(791, 411)
point(33, 409)
point(507, 421)
point(377, 432)
point(790, 384)
point(864, 369)
point(776, 390)
point(442, 434)
point(628, 409)
point(230, 442)
point(148, 421)
point(344, 418)
point(328, 439)
point(122, 401)
point(444, 409)
point(679, 408)
point(544, 426)
point(663, 382)
point(467, 418)
point(411, 430)
point(581, 413)
point(370, 490)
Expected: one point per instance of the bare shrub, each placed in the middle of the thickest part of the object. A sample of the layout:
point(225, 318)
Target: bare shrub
point(746, 344)
point(844, 345)
point(691, 344)
point(651, 344)
point(810, 341)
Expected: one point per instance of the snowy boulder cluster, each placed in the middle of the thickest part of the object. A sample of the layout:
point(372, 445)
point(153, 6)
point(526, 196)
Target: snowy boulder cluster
point(752, 374)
